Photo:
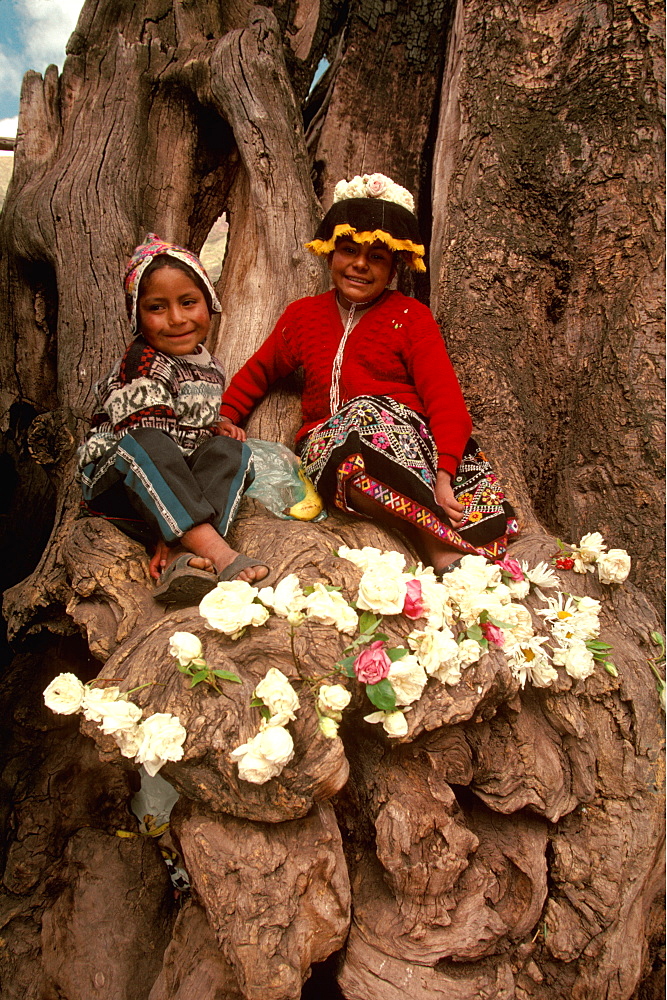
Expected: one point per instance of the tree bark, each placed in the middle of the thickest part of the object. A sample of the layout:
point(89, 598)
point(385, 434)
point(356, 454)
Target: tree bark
point(510, 845)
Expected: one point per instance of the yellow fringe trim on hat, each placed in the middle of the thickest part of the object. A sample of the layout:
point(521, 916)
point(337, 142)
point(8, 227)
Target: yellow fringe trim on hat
point(324, 247)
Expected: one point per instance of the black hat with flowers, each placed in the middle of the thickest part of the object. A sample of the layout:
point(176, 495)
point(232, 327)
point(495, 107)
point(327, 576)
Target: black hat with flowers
point(371, 208)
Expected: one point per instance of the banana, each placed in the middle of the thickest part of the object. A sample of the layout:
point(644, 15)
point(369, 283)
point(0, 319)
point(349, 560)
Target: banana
point(310, 506)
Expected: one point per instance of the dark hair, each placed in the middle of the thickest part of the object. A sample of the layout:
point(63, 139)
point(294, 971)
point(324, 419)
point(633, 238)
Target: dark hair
point(166, 260)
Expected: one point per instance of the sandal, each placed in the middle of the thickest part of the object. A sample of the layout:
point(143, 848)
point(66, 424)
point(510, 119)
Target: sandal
point(181, 583)
point(238, 565)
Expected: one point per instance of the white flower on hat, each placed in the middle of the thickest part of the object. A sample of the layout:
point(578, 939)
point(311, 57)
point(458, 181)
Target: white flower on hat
point(64, 694)
point(614, 566)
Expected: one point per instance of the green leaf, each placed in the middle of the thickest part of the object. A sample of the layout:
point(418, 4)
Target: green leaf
point(330, 587)
point(397, 654)
point(475, 632)
point(382, 695)
point(256, 702)
point(184, 670)
point(381, 636)
point(498, 623)
point(309, 590)
point(346, 666)
point(264, 712)
point(597, 644)
point(227, 675)
point(198, 677)
point(560, 545)
point(610, 668)
point(368, 622)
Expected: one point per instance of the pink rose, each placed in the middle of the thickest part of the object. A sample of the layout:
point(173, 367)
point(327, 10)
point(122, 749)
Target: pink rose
point(511, 567)
point(373, 664)
point(493, 634)
point(414, 604)
point(376, 185)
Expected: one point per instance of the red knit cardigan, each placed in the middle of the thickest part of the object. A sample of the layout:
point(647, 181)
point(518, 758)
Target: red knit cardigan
point(395, 350)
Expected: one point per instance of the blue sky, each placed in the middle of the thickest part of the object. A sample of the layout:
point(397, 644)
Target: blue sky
point(33, 34)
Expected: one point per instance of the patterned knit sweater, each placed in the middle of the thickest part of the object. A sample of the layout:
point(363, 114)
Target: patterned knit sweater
point(395, 350)
point(146, 388)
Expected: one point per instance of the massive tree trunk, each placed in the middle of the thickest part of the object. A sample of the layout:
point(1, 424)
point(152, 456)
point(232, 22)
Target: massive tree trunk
point(511, 845)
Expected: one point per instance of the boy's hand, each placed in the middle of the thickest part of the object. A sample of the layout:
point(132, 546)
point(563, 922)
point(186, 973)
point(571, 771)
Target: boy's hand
point(444, 494)
point(225, 428)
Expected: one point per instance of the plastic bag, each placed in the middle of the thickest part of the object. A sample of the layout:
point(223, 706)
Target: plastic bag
point(153, 803)
point(281, 485)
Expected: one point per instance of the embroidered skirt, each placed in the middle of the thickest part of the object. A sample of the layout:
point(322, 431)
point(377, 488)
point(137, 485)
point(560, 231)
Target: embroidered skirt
point(386, 451)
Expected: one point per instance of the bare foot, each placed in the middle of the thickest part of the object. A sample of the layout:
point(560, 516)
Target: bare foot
point(164, 556)
point(203, 540)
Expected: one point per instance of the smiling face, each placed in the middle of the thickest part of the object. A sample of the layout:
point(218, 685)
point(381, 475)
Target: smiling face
point(360, 271)
point(172, 312)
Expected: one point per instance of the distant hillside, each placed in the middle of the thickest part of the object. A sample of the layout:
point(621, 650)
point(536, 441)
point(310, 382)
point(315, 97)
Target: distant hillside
point(6, 167)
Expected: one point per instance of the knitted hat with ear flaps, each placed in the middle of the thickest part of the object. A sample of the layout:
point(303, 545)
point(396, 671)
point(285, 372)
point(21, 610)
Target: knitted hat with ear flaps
point(142, 256)
point(365, 217)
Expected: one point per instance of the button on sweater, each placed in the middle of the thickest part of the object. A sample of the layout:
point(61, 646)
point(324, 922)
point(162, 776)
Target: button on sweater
point(396, 349)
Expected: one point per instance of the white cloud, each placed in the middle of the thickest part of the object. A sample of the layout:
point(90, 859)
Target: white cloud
point(46, 26)
point(8, 126)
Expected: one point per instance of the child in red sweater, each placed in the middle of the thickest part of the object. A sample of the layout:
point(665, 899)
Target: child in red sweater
point(386, 432)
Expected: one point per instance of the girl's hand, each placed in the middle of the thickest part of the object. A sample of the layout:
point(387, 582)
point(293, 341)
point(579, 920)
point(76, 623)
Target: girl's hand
point(225, 428)
point(444, 494)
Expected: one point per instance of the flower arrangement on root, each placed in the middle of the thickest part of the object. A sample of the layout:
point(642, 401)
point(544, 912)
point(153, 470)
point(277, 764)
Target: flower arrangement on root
point(474, 607)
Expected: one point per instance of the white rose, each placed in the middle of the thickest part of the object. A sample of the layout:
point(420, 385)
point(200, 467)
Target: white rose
point(435, 649)
point(96, 701)
point(331, 608)
point(162, 739)
point(286, 598)
point(519, 589)
point(120, 716)
point(340, 191)
point(129, 741)
point(519, 624)
point(355, 188)
point(332, 699)
point(472, 605)
point(577, 660)
point(478, 569)
point(370, 556)
point(591, 546)
point(231, 606)
point(278, 695)
point(393, 723)
point(64, 694)
point(186, 647)
point(408, 679)
point(381, 591)
point(542, 673)
point(328, 727)
point(376, 184)
point(295, 618)
point(265, 755)
point(435, 596)
point(614, 566)
point(469, 652)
